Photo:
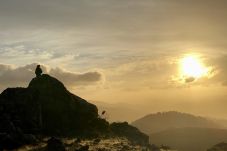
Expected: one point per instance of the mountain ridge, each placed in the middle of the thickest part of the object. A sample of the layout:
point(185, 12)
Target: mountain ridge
point(172, 119)
point(182, 131)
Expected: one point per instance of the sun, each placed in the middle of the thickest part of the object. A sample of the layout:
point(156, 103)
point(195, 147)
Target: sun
point(191, 66)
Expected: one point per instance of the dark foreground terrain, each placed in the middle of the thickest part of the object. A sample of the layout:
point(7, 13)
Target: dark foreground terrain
point(111, 144)
point(46, 108)
point(45, 116)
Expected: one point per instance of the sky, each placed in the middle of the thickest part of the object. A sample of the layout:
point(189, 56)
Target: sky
point(123, 55)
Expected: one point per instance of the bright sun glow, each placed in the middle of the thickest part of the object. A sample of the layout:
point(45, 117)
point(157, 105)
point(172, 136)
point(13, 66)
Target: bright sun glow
point(191, 66)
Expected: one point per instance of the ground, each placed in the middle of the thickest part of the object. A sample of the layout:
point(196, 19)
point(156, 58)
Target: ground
point(111, 144)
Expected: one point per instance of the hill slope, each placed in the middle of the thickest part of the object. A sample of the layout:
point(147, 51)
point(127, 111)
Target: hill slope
point(167, 120)
point(189, 139)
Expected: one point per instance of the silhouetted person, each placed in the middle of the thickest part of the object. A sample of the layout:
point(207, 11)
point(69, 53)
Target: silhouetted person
point(38, 71)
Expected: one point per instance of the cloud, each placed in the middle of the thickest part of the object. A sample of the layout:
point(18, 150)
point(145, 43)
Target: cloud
point(142, 73)
point(105, 28)
point(164, 73)
point(216, 75)
point(71, 78)
point(225, 83)
point(12, 76)
point(189, 79)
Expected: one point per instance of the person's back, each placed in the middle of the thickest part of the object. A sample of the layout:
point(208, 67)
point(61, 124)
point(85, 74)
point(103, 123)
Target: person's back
point(38, 71)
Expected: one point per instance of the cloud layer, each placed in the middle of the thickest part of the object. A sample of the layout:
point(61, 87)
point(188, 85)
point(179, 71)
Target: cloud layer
point(134, 43)
point(12, 76)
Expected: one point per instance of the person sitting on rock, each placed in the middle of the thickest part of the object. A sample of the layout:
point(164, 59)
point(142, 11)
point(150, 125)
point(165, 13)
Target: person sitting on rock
point(38, 71)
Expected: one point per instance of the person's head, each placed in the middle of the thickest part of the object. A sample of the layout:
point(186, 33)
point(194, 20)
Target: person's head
point(38, 65)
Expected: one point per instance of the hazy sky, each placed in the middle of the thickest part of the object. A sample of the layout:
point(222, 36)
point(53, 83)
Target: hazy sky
point(121, 52)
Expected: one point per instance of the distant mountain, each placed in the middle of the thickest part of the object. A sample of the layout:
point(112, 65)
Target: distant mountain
point(182, 131)
point(153, 123)
point(190, 139)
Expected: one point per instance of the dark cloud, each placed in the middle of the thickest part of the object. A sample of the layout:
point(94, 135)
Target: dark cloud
point(71, 78)
point(11, 76)
point(189, 79)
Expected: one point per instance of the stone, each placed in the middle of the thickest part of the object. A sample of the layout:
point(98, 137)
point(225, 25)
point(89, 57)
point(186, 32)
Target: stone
point(83, 148)
point(55, 144)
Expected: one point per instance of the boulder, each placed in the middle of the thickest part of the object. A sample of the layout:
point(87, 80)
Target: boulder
point(55, 144)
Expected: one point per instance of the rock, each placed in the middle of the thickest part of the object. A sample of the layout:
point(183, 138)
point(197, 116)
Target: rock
point(30, 139)
point(163, 147)
point(83, 148)
point(8, 142)
point(54, 144)
point(125, 147)
point(47, 107)
point(19, 110)
point(62, 113)
point(96, 141)
point(102, 149)
point(78, 140)
point(14, 140)
point(130, 132)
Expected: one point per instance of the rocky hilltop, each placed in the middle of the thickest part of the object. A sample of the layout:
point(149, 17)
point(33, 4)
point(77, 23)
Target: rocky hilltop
point(47, 108)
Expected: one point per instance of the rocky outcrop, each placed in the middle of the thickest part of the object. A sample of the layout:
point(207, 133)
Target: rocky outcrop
point(46, 107)
point(19, 110)
point(61, 111)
